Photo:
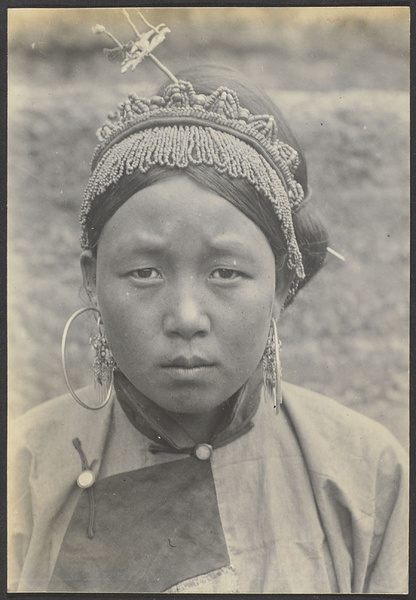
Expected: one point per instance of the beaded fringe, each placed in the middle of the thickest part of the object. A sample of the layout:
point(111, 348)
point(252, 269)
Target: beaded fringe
point(183, 145)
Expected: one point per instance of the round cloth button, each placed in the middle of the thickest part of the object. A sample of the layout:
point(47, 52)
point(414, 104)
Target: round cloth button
point(203, 451)
point(86, 479)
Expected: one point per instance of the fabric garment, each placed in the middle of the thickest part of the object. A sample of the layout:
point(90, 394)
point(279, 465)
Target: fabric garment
point(310, 501)
point(171, 508)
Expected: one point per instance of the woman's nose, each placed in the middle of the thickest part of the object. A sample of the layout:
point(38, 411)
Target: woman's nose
point(185, 315)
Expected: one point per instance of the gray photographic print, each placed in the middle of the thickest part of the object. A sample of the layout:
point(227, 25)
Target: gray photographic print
point(208, 258)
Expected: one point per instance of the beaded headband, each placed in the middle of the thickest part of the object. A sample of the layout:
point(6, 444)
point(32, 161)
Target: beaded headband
point(182, 128)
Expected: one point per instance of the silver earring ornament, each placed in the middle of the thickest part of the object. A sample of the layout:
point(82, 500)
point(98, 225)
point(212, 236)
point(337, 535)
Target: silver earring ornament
point(272, 368)
point(104, 363)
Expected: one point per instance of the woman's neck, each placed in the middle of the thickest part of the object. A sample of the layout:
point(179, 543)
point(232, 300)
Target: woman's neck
point(201, 426)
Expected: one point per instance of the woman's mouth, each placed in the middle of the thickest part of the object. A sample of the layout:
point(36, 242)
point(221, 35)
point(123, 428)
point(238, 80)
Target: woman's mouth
point(188, 368)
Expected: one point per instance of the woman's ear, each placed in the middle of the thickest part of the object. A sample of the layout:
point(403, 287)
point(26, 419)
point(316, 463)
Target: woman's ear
point(89, 274)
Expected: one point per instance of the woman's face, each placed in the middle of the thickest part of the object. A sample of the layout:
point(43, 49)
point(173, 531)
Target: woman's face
point(185, 283)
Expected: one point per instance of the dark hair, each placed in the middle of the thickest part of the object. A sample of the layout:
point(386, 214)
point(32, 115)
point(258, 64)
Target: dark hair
point(310, 232)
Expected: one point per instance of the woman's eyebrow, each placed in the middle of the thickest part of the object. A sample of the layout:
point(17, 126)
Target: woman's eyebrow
point(141, 243)
point(229, 245)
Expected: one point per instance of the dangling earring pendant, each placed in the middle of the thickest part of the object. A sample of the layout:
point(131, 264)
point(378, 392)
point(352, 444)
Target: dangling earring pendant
point(272, 368)
point(103, 364)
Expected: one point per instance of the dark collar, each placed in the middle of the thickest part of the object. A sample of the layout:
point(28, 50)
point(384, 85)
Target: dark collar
point(160, 427)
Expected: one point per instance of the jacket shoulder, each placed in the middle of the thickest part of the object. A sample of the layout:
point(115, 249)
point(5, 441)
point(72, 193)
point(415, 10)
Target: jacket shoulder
point(54, 419)
point(339, 438)
point(333, 420)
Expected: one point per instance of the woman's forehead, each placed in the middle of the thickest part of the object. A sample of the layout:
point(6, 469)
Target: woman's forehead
point(179, 211)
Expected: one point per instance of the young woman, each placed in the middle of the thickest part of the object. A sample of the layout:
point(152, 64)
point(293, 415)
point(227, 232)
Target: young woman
point(197, 231)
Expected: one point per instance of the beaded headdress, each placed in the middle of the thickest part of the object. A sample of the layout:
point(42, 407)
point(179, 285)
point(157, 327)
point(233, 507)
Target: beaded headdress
point(182, 128)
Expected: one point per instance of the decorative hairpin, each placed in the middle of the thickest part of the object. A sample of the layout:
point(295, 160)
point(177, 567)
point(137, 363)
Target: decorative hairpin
point(336, 254)
point(134, 51)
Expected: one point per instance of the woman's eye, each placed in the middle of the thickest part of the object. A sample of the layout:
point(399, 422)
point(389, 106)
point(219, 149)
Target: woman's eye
point(226, 274)
point(147, 273)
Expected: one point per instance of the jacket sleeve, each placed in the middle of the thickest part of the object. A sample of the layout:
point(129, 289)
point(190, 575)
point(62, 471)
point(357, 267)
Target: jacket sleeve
point(359, 475)
point(389, 569)
point(20, 518)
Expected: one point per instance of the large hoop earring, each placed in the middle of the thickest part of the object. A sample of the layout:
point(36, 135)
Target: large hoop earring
point(103, 364)
point(272, 368)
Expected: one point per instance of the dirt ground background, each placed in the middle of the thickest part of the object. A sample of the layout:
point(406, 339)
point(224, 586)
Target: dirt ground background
point(341, 77)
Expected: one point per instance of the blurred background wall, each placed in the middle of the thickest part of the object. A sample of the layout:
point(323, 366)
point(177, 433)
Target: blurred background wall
point(340, 76)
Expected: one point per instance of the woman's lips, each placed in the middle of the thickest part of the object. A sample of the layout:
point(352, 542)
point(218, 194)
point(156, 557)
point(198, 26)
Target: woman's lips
point(188, 368)
point(181, 362)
